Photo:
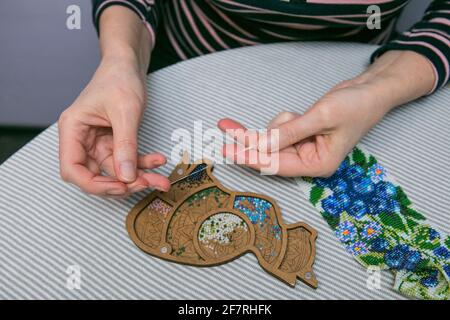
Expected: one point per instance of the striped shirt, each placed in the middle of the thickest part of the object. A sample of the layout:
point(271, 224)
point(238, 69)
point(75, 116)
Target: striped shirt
point(182, 29)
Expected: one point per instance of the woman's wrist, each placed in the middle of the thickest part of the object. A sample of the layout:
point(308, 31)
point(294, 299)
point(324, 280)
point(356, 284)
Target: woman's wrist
point(136, 57)
point(125, 58)
point(124, 39)
point(398, 77)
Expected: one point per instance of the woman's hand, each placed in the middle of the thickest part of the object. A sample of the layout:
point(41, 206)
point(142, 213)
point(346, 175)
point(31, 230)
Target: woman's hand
point(315, 143)
point(98, 132)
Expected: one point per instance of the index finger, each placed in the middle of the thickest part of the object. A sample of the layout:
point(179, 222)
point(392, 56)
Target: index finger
point(239, 133)
point(74, 160)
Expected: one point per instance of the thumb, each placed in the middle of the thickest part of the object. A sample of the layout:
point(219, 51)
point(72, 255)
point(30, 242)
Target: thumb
point(281, 118)
point(289, 133)
point(125, 127)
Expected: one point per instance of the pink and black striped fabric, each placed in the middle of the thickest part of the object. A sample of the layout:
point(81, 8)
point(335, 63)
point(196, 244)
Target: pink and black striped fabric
point(183, 29)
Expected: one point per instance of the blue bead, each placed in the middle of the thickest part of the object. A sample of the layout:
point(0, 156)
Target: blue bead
point(340, 186)
point(447, 269)
point(391, 190)
point(378, 205)
point(434, 234)
point(383, 205)
point(379, 245)
point(342, 167)
point(197, 174)
point(442, 252)
point(354, 172)
point(393, 206)
point(395, 258)
point(380, 192)
point(364, 186)
point(324, 182)
point(344, 200)
point(412, 259)
point(331, 206)
point(357, 209)
point(430, 282)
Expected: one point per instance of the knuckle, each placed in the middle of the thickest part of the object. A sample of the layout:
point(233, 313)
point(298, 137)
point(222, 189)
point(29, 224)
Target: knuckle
point(63, 172)
point(88, 189)
point(342, 84)
point(85, 189)
point(127, 102)
point(325, 114)
point(290, 135)
point(64, 176)
point(285, 116)
point(64, 117)
point(127, 143)
point(129, 109)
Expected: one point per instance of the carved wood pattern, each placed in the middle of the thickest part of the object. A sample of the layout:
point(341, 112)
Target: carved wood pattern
point(200, 222)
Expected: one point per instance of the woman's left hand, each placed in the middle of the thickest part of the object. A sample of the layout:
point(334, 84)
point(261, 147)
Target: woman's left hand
point(315, 143)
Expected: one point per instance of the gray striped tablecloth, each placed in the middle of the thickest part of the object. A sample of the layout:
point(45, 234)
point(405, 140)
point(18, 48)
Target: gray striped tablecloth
point(47, 225)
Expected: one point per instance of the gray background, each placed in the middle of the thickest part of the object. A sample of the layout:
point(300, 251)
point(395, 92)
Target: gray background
point(43, 65)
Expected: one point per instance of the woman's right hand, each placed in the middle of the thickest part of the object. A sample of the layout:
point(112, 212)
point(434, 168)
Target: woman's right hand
point(98, 134)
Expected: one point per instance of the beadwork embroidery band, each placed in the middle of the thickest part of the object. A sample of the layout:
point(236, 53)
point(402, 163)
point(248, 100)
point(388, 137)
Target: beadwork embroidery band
point(377, 223)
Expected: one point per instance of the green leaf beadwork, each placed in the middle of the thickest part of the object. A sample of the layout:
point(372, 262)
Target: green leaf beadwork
point(376, 222)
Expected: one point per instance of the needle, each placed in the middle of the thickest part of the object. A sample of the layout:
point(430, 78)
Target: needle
point(195, 172)
point(190, 174)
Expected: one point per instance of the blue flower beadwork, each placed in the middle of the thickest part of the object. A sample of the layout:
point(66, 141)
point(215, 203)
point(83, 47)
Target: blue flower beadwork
point(357, 193)
point(346, 231)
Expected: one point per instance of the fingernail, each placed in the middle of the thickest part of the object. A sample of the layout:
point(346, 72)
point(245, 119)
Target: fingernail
point(115, 192)
point(128, 171)
point(138, 188)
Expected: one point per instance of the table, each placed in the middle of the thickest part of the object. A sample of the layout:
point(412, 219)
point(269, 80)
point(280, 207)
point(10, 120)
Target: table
point(47, 227)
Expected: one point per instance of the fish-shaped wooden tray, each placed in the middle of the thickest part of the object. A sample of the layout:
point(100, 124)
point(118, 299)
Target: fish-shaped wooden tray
point(199, 222)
